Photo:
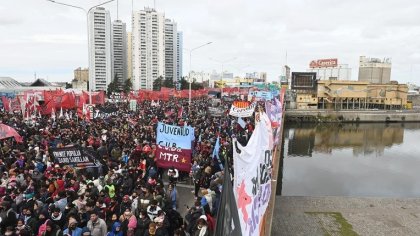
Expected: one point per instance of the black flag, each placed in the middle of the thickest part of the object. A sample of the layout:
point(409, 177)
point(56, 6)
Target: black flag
point(227, 216)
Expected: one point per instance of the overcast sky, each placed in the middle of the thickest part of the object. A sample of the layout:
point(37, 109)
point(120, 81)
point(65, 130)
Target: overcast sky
point(49, 39)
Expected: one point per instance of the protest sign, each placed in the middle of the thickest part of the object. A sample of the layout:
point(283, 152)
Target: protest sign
point(261, 95)
point(75, 156)
point(242, 112)
point(252, 183)
point(105, 112)
point(167, 157)
point(174, 136)
point(215, 111)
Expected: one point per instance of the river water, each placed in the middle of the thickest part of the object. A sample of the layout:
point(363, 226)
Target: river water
point(377, 160)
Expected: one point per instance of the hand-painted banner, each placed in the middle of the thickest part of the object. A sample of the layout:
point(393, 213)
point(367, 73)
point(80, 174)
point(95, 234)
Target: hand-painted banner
point(174, 136)
point(242, 112)
point(167, 157)
point(261, 95)
point(215, 111)
point(105, 112)
point(252, 183)
point(75, 156)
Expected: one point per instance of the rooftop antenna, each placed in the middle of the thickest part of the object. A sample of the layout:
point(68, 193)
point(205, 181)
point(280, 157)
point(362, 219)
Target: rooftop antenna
point(132, 5)
point(117, 10)
point(35, 75)
point(154, 4)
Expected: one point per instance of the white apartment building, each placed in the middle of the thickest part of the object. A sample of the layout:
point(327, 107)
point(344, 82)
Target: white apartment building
point(148, 45)
point(171, 50)
point(100, 58)
point(179, 58)
point(199, 76)
point(129, 56)
point(119, 52)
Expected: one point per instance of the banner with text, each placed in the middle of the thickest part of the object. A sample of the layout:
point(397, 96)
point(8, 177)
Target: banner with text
point(253, 174)
point(261, 95)
point(105, 112)
point(242, 112)
point(75, 156)
point(166, 157)
point(174, 136)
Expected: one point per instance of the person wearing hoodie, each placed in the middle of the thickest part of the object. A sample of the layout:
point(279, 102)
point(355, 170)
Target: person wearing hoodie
point(72, 228)
point(57, 217)
point(61, 203)
point(52, 230)
point(116, 230)
point(128, 223)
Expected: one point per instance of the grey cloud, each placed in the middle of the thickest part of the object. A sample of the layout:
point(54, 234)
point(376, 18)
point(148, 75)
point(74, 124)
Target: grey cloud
point(8, 22)
point(257, 32)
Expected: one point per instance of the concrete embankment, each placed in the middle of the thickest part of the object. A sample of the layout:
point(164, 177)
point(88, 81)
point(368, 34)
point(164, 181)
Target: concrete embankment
point(379, 116)
point(346, 216)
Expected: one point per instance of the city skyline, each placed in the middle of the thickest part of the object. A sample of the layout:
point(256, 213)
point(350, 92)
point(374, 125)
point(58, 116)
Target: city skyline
point(50, 40)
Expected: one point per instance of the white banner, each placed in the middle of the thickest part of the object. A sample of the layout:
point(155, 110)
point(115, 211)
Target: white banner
point(252, 183)
point(242, 112)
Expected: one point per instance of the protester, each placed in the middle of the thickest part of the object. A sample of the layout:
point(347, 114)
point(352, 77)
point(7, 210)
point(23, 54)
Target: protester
point(129, 194)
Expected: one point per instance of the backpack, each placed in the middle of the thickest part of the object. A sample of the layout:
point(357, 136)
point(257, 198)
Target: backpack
point(43, 228)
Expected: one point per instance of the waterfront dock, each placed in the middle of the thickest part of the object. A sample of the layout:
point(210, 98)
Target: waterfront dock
point(352, 116)
point(346, 216)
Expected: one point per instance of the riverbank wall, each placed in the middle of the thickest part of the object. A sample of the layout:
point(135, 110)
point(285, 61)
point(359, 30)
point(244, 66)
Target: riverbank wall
point(319, 216)
point(353, 116)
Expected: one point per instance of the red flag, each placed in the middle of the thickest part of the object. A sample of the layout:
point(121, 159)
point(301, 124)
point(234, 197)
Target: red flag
point(6, 103)
point(68, 101)
point(97, 97)
point(180, 110)
point(7, 132)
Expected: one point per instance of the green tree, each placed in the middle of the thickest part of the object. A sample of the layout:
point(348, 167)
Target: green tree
point(157, 84)
point(196, 86)
point(128, 85)
point(184, 83)
point(168, 82)
point(113, 86)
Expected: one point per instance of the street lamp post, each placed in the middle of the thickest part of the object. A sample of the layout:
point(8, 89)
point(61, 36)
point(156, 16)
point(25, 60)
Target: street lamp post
point(189, 77)
point(88, 39)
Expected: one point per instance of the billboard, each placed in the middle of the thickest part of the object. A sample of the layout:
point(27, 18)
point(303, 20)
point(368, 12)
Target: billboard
point(324, 63)
point(304, 80)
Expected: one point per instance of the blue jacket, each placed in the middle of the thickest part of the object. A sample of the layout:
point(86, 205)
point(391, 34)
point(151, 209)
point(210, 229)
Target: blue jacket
point(114, 228)
point(76, 232)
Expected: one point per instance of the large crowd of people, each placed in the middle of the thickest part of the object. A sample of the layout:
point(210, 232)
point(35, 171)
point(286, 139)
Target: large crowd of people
point(128, 194)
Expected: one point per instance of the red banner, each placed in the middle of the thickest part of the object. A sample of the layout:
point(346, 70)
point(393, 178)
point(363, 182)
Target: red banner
point(97, 97)
point(7, 132)
point(167, 157)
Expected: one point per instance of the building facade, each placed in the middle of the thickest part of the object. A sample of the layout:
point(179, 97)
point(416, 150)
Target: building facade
point(119, 53)
point(129, 56)
point(179, 51)
point(374, 70)
point(148, 40)
point(100, 58)
point(81, 74)
point(352, 95)
point(335, 72)
point(171, 50)
point(258, 77)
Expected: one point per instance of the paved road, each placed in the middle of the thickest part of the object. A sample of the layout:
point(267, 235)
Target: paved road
point(315, 216)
